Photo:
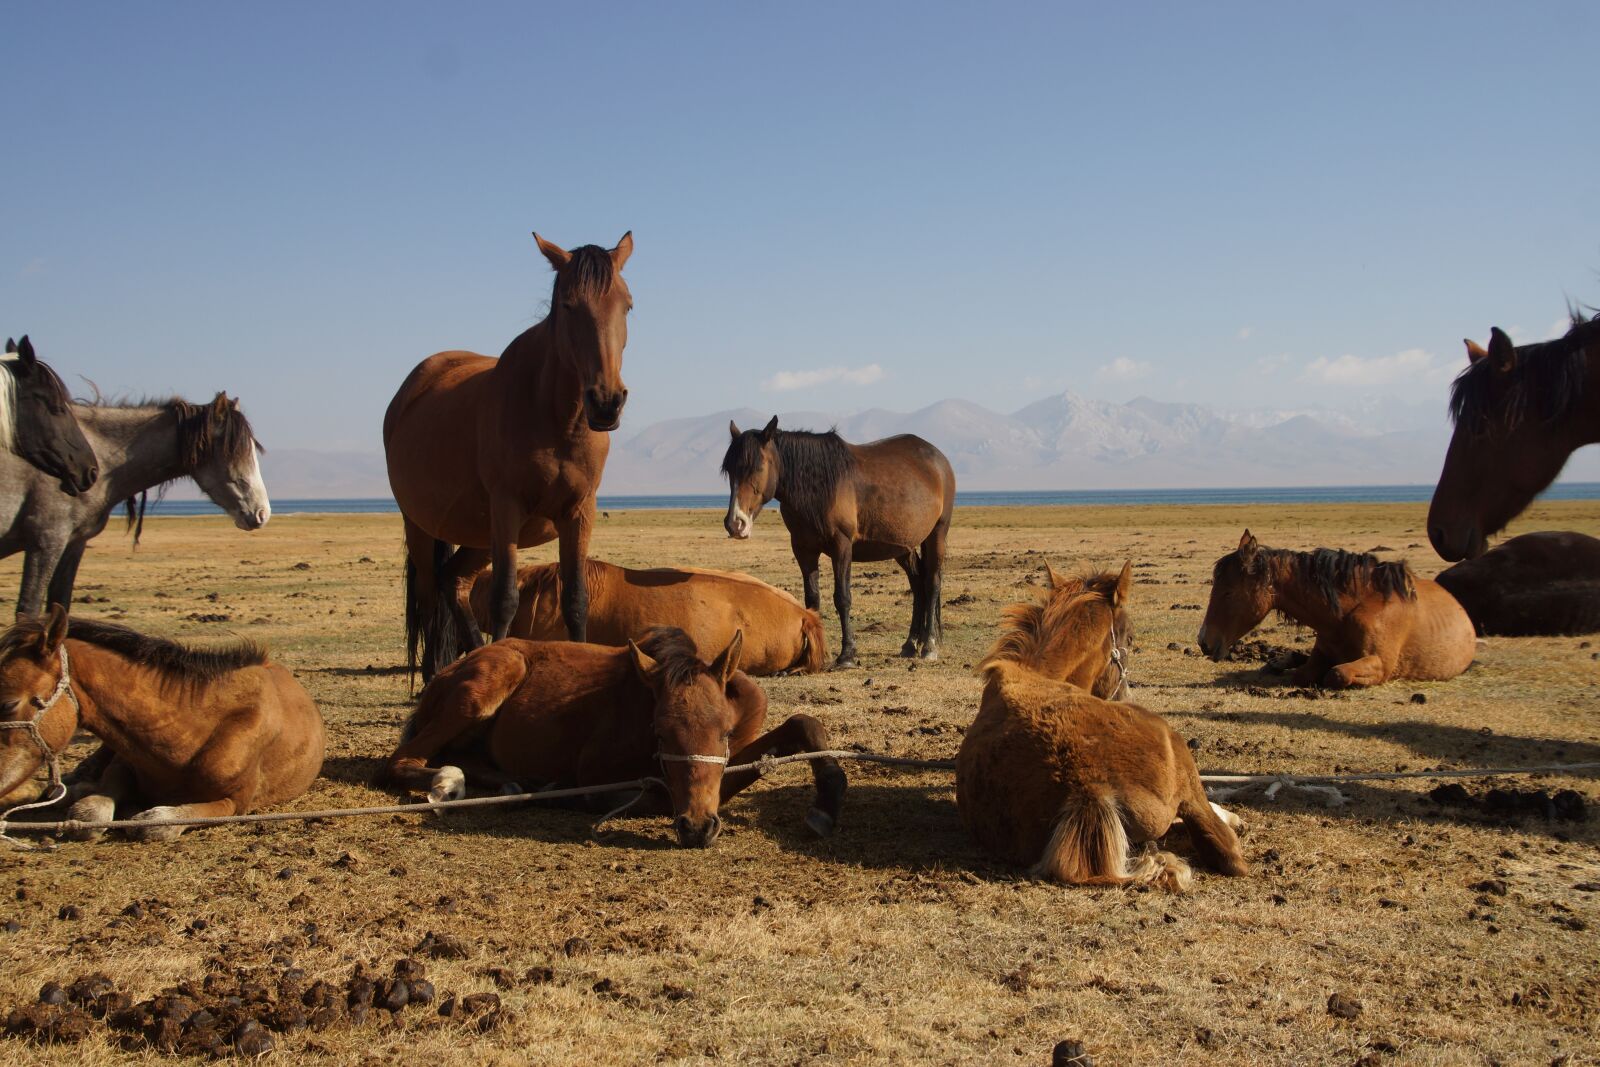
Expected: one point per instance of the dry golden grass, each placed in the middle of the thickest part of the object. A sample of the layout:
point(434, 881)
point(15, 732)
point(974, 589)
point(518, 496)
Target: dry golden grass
point(896, 940)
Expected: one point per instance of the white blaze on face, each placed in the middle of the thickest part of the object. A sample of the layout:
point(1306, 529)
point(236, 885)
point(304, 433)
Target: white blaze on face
point(254, 506)
point(738, 522)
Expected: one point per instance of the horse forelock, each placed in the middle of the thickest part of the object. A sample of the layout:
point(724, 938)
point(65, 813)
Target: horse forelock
point(214, 431)
point(590, 272)
point(743, 453)
point(8, 404)
point(1546, 383)
point(677, 659)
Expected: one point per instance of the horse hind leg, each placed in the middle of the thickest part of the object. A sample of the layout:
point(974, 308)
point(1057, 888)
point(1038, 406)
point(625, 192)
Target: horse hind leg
point(914, 638)
point(208, 809)
point(1210, 828)
point(933, 550)
point(98, 794)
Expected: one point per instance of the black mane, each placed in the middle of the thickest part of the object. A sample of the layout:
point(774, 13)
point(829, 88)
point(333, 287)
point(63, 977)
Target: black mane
point(56, 396)
point(179, 663)
point(1546, 383)
point(1333, 572)
point(811, 465)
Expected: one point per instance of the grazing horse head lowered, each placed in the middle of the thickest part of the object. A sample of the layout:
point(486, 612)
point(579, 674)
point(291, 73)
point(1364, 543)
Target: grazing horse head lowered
point(1519, 412)
point(37, 423)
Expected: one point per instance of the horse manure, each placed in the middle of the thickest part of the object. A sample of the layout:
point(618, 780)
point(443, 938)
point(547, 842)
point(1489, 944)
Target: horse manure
point(1070, 1053)
point(52, 994)
point(394, 994)
point(676, 993)
point(409, 969)
point(1343, 1007)
point(1419, 698)
point(134, 910)
point(250, 1039)
point(70, 912)
point(576, 946)
point(12, 926)
point(320, 995)
point(361, 992)
point(500, 976)
point(443, 947)
point(421, 991)
point(493, 1020)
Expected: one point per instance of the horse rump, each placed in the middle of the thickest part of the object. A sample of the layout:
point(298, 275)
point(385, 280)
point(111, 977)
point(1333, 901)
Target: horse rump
point(813, 644)
point(1089, 846)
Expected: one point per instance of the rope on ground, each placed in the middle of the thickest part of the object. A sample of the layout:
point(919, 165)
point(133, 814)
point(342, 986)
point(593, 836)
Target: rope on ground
point(1317, 783)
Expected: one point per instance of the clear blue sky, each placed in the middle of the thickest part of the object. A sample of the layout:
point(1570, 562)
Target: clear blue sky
point(1242, 205)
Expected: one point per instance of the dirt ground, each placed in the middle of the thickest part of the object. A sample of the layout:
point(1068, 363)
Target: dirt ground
point(1444, 933)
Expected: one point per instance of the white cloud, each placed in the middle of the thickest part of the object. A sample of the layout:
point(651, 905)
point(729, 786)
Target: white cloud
point(1413, 364)
point(1272, 364)
point(786, 380)
point(1245, 332)
point(1123, 369)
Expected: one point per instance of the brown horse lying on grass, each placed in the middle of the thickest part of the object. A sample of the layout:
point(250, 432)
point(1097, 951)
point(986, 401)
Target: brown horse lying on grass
point(1053, 776)
point(195, 732)
point(562, 714)
point(1536, 584)
point(780, 635)
point(1375, 621)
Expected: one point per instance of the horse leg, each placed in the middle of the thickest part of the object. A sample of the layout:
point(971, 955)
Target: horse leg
point(574, 545)
point(205, 809)
point(455, 586)
point(1311, 671)
point(1210, 828)
point(1357, 673)
point(841, 604)
point(91, 767)
point(66, 574)
point(908, 563)
point(933, 588)
point(810, 561)
point(98, 804)
point(799, 733)
point(37, 568)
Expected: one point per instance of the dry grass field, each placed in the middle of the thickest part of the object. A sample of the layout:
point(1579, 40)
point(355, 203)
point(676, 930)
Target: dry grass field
point(1461, 934)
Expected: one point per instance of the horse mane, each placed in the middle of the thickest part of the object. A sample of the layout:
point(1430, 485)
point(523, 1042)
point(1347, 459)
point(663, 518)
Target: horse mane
point(677, 660)
point(173, 661)
point(1334, 572)
point(53, 385)
point(811, 466)
point(1025, 628)
point(1547, 382)
point(589, 272)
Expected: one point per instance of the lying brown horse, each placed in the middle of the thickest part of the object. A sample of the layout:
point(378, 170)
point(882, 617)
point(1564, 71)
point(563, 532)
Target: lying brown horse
point(195, 733)
point(559, 714)
point(780, 636)
point(1535, 584)
point(1375, 621)
point(490, 455)
point(1053, 776)
point(1519, 413)
point(889, 499)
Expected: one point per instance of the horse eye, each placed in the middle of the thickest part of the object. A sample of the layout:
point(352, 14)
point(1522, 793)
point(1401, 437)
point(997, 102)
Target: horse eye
point(37, 702)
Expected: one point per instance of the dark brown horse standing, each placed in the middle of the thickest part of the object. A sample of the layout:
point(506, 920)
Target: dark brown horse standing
point(495, 454)
point(1519, 413)
point(889, 499)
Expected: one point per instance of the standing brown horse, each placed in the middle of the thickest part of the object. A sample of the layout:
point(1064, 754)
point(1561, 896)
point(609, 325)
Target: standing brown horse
point(491, 455)
point(1519, 413)
point(562, 714)
point(1535, 584)
point(197, 733)
point(889, 499)
point(780, 636)
point(1375, 621)
point(1053, 775)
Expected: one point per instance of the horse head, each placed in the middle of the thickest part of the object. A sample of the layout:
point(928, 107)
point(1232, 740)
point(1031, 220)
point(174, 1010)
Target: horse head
point(218, 449)
point(36, 722)
point(1510, 440)
point(589, 308)
point(36, 421)
point(751, 464)
point(1102, 632)
point(693, 720)
point(1241, 596)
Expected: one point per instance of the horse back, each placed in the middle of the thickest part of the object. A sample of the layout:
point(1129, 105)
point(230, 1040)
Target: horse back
point(902, 489)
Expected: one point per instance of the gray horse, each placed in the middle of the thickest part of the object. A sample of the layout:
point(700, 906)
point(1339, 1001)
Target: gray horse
point(140, 447)
point(36, 420)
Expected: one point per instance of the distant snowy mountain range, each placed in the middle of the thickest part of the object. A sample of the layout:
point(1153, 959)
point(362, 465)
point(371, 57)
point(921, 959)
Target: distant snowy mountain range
point(1061, 442)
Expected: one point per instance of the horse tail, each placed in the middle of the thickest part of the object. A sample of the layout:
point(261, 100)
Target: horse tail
point(431, 637)
point(813, 643)
point(1089, 846)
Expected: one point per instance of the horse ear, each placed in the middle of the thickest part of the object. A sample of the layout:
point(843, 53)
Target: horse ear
point(733, 429)
point(55, 630)
point(11, 345)
point(1119, 596)
point(1247, 547)
point(1052, 576)
point(728, 661)
point(624, 249)
point(559, 257)
point(643, 665)
point(1501, 350)
point(25, 351)
point(1475, 351)
point(772, 428)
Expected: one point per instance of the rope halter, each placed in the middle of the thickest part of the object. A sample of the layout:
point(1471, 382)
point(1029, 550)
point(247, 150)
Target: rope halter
point(1119, 656)
point(56, 791)
point(690, 757)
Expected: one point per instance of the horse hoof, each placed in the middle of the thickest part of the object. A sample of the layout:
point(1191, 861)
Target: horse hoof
point(449, 783)
point(844, 663)
point(820, 822)
point(908, 651)
point(156, 833)
point(931, 656)
point(91, 809)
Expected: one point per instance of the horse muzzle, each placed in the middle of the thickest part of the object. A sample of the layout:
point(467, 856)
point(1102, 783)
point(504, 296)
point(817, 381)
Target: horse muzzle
point(603, 412)
point(697, 834)
point(1459, 543)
